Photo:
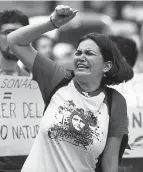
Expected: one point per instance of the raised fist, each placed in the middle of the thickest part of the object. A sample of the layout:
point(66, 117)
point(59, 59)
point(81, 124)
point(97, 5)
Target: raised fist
point(62, 15)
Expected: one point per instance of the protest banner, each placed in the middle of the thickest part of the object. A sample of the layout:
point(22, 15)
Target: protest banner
point(133, 93)
point(21, 109)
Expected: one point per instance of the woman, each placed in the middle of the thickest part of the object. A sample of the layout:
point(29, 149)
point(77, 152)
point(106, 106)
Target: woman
point(97, 63)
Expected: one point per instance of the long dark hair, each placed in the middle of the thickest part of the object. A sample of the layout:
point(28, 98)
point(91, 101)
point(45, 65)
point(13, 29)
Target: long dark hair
point(121, 71)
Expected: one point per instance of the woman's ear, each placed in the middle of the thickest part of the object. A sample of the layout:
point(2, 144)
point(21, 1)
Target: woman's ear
point(107, 66)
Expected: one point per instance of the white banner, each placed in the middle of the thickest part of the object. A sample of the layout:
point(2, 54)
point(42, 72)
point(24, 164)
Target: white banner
point(21, 109)
point(133, 92)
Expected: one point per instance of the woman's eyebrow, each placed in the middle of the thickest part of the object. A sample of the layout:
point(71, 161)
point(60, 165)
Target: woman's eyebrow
point(91, 50)
point(86, 50)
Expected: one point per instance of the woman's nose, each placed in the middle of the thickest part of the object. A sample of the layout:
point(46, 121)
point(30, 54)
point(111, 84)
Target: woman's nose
point(81, 57)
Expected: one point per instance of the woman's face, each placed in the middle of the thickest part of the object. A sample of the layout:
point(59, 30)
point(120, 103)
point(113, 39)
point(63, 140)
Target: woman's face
point(88, 59)
point(78, 123)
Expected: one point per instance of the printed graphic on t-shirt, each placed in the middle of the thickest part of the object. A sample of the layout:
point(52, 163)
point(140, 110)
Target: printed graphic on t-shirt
point(78, 126)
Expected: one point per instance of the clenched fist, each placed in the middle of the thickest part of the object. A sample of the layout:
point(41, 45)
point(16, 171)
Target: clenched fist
point(62, 15)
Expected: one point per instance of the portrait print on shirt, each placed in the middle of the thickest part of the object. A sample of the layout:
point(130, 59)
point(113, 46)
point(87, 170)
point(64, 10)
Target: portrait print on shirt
point(77, 125)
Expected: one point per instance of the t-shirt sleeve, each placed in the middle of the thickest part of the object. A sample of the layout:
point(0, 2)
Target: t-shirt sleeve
point(47, 74)
point(118, 125)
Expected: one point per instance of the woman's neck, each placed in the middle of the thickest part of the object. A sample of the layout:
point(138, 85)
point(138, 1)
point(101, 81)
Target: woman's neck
point(89, 85)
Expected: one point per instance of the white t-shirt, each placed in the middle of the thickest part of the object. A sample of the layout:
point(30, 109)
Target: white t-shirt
point(72, 135)
point(73, 131)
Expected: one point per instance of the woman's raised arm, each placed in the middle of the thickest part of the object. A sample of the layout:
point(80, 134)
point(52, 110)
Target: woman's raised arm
point(19, 40)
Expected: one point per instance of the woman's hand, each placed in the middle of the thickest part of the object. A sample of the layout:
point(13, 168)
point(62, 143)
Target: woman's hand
point(62, 15)
point(19, 40)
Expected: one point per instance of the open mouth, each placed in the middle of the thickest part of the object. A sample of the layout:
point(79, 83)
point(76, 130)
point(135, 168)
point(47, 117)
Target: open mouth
point(82, 66)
